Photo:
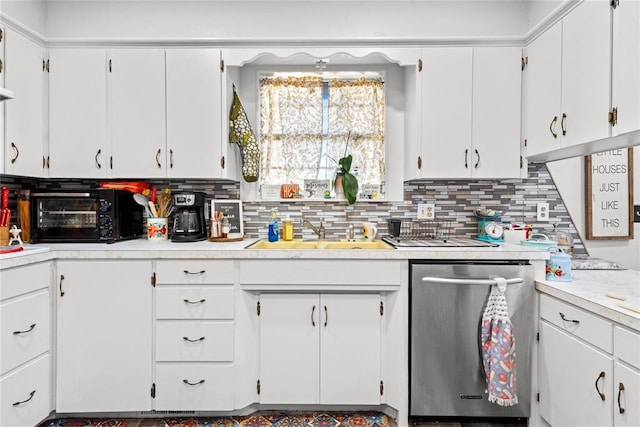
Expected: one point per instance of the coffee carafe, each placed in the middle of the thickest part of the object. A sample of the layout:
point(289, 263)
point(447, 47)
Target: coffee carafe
point(189, 223)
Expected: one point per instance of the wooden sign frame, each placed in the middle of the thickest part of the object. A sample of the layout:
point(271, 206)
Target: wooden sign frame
point(232, 210)
point(608, 187)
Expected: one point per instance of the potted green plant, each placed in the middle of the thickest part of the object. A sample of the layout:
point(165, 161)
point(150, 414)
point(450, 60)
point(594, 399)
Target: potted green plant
point(344, 176)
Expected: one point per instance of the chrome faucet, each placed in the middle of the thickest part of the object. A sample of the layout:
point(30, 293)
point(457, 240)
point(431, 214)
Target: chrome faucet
point(318, 230)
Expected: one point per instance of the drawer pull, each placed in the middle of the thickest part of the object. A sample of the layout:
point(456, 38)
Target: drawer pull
point(190, 340)
point(195, 302)
point(597, 388)
point(194, 273)
point(190, 383)
point(25, 332)
point(620, 390)
point(568, 320)
point(25, 401)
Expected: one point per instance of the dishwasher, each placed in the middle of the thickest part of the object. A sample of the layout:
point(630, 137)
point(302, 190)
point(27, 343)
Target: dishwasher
point(447, 301)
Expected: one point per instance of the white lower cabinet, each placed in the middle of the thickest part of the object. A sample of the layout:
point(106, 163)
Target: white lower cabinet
point(194, 387)
point(194, 335)
point(104, 336)
point(26, 394)
point(589, 368)
point(25, 334)
point(320, 348)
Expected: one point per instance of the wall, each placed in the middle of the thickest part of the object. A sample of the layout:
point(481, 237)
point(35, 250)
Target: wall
point(565, 174)
point(30, 14)
point(288, 20)
point(455, 202)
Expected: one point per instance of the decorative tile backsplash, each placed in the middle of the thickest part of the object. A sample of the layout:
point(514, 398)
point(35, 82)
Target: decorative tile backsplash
point(455, 200)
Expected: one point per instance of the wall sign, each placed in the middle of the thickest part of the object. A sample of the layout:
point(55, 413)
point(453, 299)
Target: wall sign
point(609, 194)
point(232, 210)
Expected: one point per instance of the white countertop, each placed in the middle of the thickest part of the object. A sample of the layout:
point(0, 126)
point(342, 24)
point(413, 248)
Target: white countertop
point(144, 249)
point(588, 289)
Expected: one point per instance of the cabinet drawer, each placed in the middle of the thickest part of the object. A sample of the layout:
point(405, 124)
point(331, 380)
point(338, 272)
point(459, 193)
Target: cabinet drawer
point(29, 317)
point(627, 346)
point(21, 280)
point(194, 341)
point(209, 388)
point(31, 386)
point(191, 302)
point(578, 322)
point(194, 272)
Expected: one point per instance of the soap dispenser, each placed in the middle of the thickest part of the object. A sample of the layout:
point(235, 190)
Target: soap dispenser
point(287, 229)
point(273, 226)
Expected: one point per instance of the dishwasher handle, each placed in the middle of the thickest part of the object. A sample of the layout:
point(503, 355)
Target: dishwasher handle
point(448, 281)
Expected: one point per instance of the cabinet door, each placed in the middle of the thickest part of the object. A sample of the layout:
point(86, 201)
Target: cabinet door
point(289, 348)
point(78, 113)
point(24, 115)
point(570, 378)
point(626, 66)
point(496, 112)
point(194, 113)
point(543, 91)
point(446, 112)
point(138, 135)
point(350, 349)
point(627, 394)
point(586, 65)
point(2, 73)
point(104, 336)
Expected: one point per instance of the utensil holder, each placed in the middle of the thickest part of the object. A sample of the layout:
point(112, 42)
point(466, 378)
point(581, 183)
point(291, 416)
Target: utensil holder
point(157, 229)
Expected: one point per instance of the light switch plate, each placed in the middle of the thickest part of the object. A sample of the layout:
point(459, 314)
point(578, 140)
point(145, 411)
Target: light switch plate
point(543, 211)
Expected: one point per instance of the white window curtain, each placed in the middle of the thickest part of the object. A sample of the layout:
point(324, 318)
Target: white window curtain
point(294, 144)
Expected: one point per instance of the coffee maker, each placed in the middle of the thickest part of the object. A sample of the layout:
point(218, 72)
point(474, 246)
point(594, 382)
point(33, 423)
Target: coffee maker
point(189, 222)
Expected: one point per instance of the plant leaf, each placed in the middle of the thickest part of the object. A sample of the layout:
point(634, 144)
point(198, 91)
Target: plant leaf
point(345, 163)
point(350, 187)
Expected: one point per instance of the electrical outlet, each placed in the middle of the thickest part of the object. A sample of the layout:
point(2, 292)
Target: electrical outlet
point(426, 211)
point(543, 211)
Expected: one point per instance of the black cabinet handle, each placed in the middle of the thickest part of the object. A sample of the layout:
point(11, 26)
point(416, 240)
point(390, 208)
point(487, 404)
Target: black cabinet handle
point(620, 390)
point(25, 331)
point(98, 165)
point(326, 316)
point(190, 340)
point(158, 158)
point(194, 272)
point(190, 383)
point(563, 123)
point(477, 161)
point(171, 159)
point(61, 280)
point(597, 388)
point(313, 310)
point(466, 164)
point(26, 400)
point(552, 126)
point(568, 320)
point(15, 148)
point(195, 302)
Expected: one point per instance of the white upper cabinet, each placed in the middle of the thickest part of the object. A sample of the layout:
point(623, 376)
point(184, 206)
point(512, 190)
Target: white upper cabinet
point(568, 80)
point(24, 70)
point(194, 113)
point(497, 85)
point(78, 113)
point(469, 114)
point(138, 136)
point(626, 67)
point(447, 88)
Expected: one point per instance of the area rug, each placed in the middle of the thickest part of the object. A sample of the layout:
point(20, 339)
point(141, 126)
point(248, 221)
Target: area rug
point(323, 419)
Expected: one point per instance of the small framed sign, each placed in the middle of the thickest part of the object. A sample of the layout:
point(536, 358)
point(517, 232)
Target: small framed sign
point(609, 195)
point(232, 210)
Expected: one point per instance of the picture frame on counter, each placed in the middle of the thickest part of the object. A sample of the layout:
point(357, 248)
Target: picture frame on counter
point(232, 210)
point(609, 195)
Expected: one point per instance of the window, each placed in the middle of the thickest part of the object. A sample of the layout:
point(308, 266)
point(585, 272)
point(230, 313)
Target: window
point(307, 120)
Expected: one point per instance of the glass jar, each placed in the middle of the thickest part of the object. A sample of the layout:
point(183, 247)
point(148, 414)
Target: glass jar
point(563, 238)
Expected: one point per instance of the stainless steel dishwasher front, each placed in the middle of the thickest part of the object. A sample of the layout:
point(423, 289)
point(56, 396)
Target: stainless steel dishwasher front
point(447, 302)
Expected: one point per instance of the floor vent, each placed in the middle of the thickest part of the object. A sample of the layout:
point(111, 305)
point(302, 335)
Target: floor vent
point(167, 412)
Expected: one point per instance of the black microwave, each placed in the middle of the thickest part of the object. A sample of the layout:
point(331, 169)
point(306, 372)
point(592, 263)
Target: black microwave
point(85, 216)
